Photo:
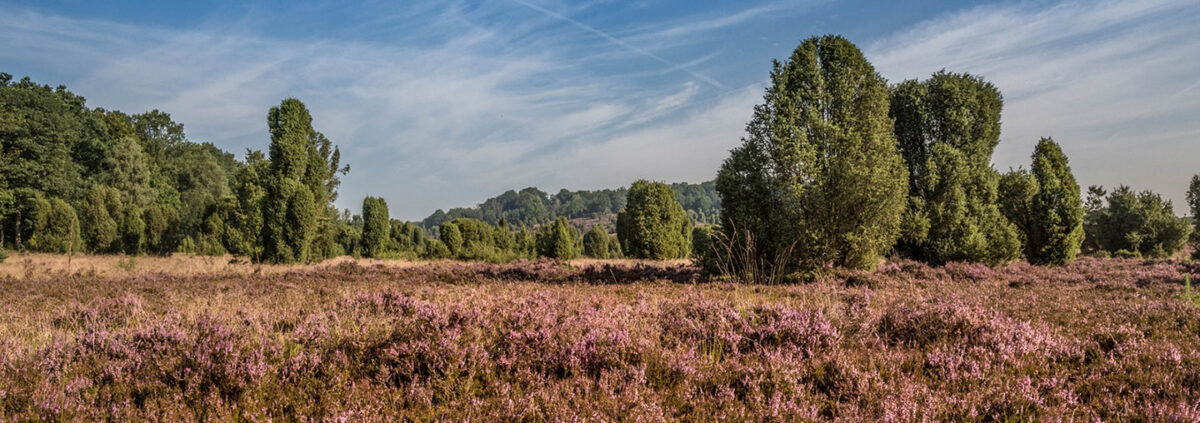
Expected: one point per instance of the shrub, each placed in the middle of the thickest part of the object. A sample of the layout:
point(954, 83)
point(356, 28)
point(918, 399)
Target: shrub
point(1136, 224)
point(556, 240)
point(653, 225)
point(595, 243)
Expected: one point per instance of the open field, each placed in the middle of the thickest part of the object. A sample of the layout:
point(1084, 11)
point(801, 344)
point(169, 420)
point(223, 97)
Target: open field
point(1108, 340)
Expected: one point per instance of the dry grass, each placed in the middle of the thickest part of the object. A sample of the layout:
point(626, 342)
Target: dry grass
point(43, 266)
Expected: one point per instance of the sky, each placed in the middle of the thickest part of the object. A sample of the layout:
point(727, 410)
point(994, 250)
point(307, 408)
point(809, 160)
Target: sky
point(440, 104)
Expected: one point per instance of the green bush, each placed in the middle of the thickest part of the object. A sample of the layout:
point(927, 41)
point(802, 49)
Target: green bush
point(1136, 224)
point(595, 243)
point(556, 240)
point(377, 227)
point(653, 225)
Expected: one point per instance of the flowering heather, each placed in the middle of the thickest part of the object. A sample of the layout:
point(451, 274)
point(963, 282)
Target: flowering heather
point(1097, 340)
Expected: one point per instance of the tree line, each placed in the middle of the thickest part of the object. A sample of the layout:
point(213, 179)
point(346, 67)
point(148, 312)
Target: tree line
point(838, 168)
point(532, 206)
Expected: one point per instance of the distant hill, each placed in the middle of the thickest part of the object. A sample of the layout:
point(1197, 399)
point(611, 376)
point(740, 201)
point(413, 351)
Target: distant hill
point(532, 206)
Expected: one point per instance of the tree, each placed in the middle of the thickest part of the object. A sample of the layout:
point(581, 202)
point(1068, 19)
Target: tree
point(376, 227)
point(451, 237)
point(290, 209)
point(595, 243)
point(947, 128)
point(818, 179)
point(101, 218)
point(1138, 225)
point(1016, 191)
point(1056, 228)
point(653, 224)
point(556, 240)
point(55, 227)
point(133, 231)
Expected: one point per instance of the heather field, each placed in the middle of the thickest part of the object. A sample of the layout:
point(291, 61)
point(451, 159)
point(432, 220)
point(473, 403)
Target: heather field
point(1098, 340)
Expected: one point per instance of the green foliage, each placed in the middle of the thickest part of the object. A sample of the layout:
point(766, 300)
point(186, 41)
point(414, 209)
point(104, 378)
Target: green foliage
point(451, 237)
point(614, 248)
point(301, 184)
point(557, 240)
point(1135, 224)
point(289, 221)
point(435, 249)
point(704, 249)
point(55, 227)
point(161, 238)
point(1055, 231)
point(595, 243)
point(653, 224)
point(101, 215)
point(818, 179)
point(947, 128)
point(526, 243)
point(377, 227)
point(531, 206)
point(133, 231)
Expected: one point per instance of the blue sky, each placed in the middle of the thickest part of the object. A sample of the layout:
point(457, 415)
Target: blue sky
point(437, 104)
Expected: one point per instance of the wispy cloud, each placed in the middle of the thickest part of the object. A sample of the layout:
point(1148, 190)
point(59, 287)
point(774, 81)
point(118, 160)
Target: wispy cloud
point(430, 124)
point(1102, 78)
point(620, 42)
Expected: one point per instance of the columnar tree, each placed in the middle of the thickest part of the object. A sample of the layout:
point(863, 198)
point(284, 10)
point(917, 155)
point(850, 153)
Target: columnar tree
point(556, 240)
point(947, 128)
point(452, 237)
point(290, 210)
point(376, 227)
point(595, 243)
point(1056, 231)
point(653, 225)
point(818, 180)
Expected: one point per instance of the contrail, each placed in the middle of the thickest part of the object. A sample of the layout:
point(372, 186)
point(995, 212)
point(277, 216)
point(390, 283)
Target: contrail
point(618, 42)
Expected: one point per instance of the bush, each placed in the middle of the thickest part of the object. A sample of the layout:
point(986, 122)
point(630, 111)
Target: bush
point(595, 243)
point(556, 240)
point(653, 225)
point(1136, 224)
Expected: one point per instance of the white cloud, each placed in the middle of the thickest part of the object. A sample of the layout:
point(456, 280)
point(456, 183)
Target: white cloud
point(1103, 78)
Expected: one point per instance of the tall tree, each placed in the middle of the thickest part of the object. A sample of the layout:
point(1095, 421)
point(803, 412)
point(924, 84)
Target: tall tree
point(290, 210)
point(947, 128)
point(653, 224)
point(818, 180)
point(1193, 199)
point(1056, 230)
